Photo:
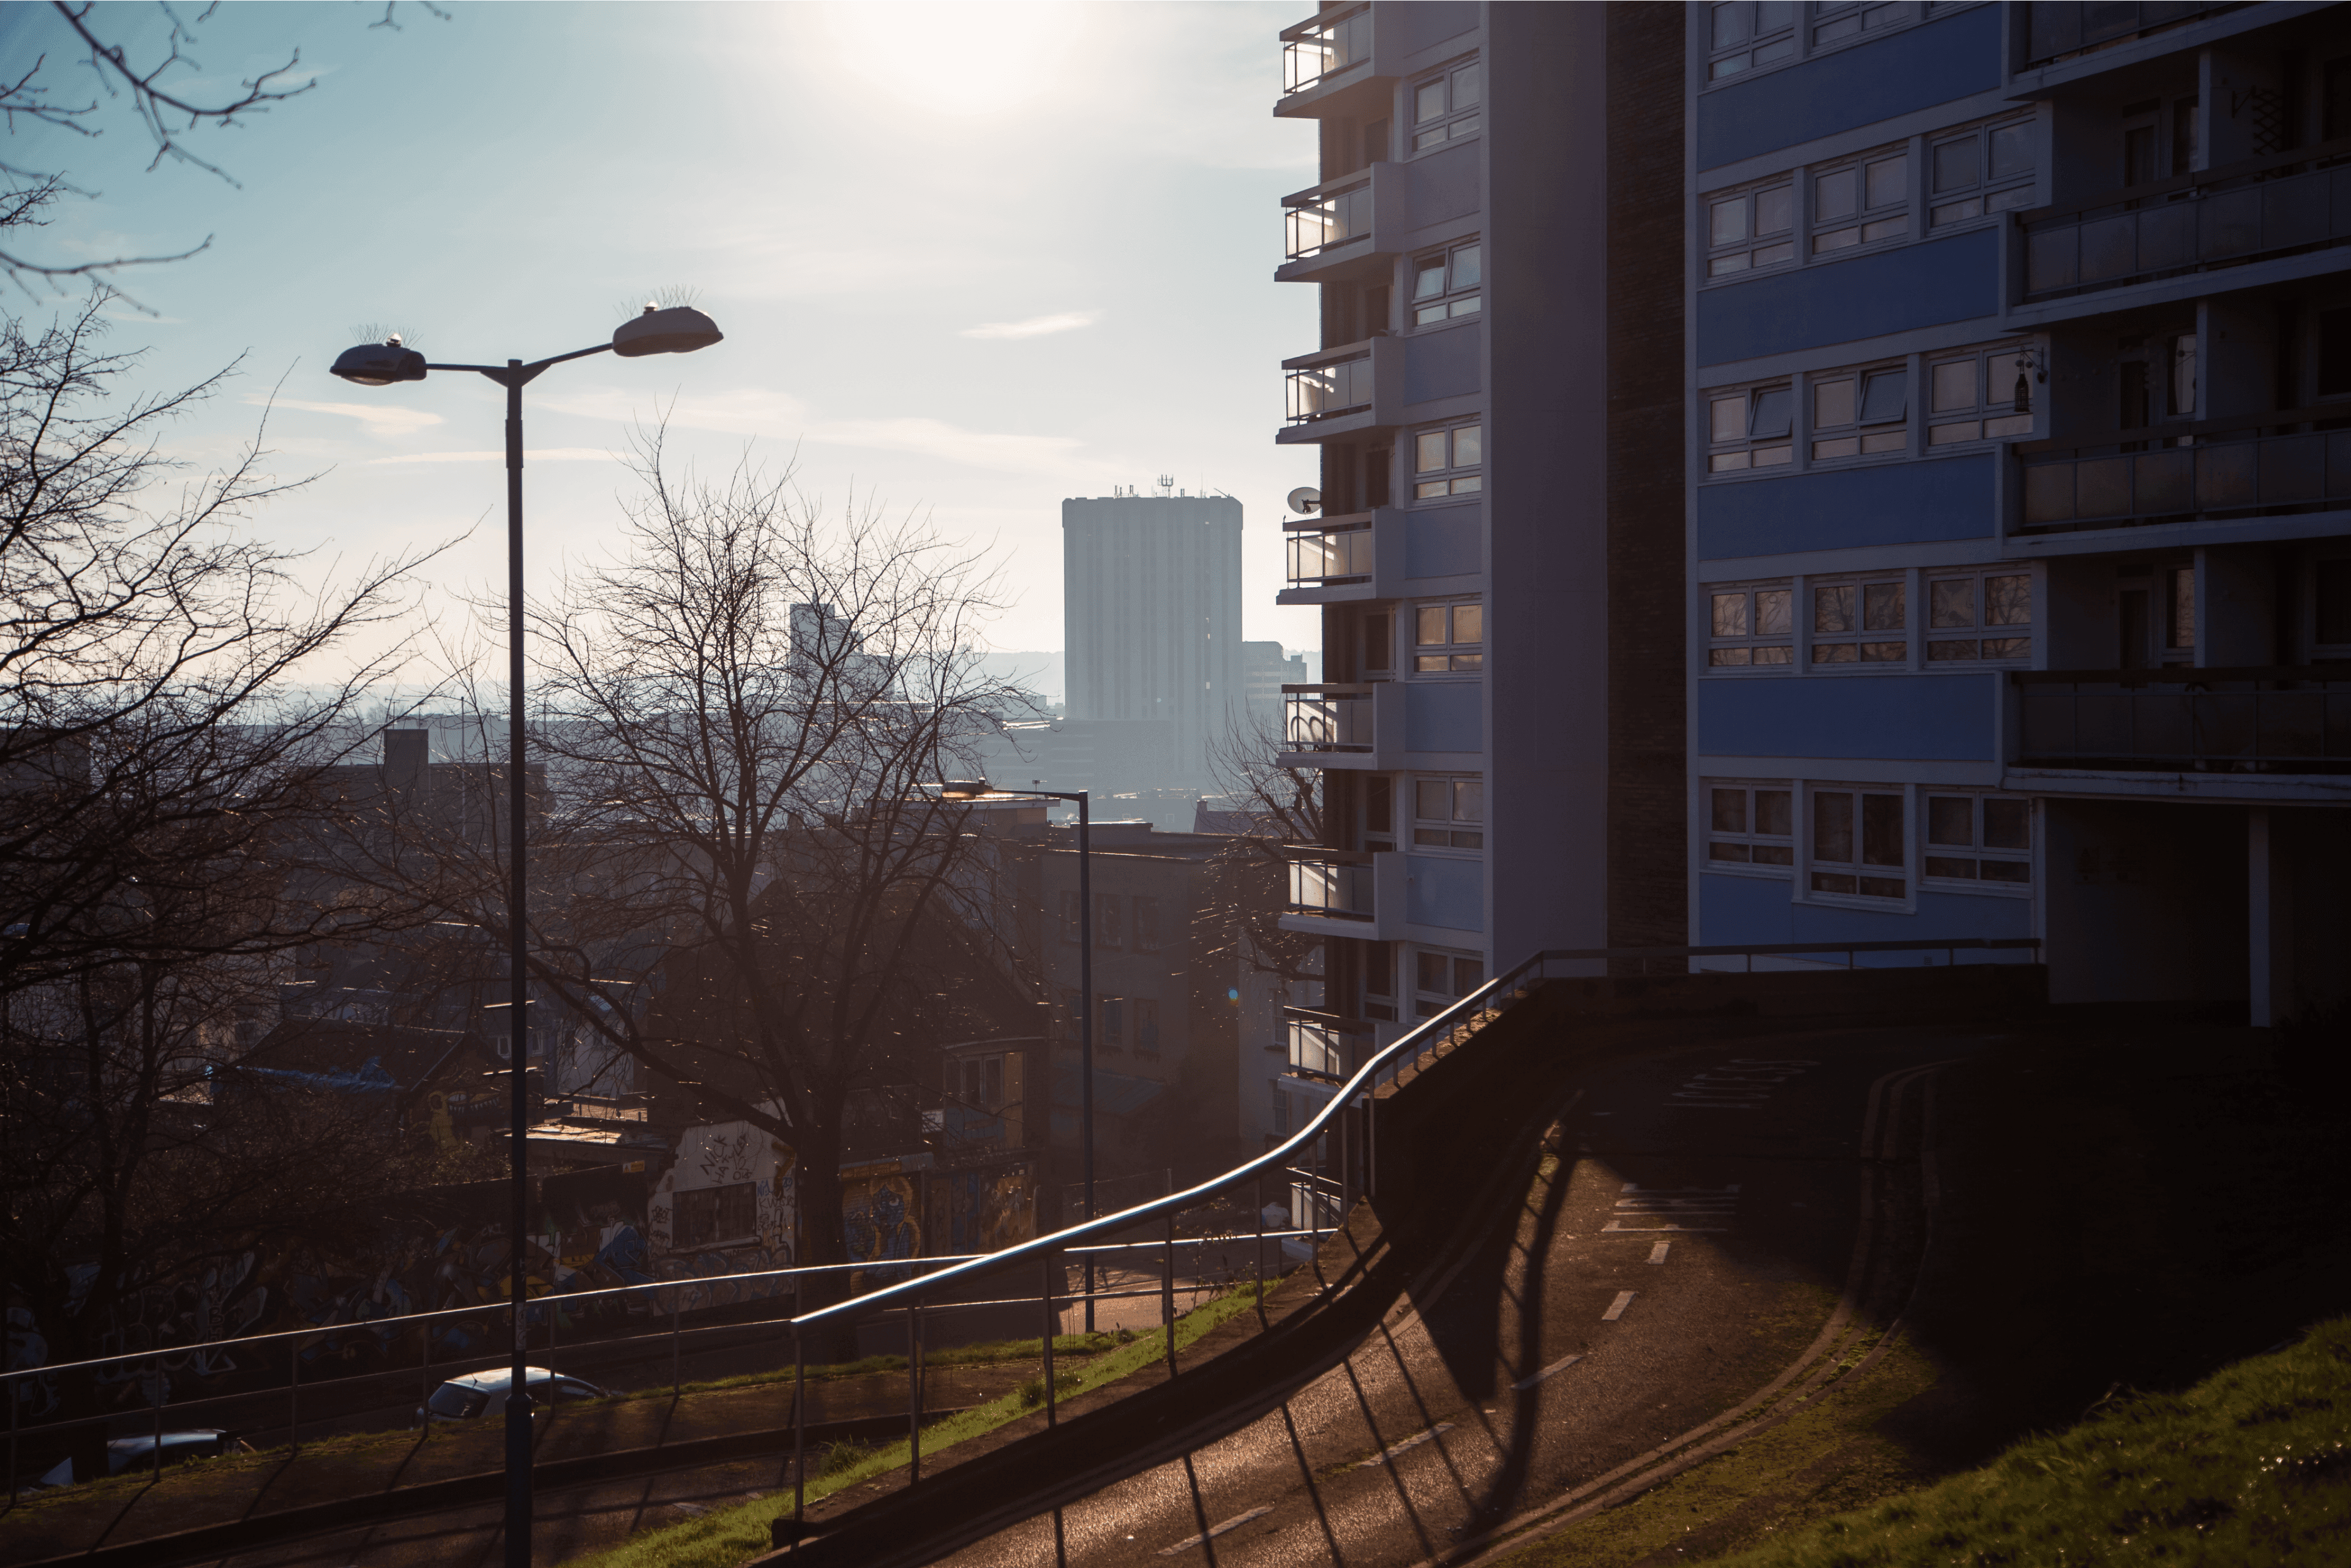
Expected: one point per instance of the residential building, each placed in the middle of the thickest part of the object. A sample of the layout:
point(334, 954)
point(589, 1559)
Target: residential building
point(1265, 670)
point(1497, 552)
point(1151, 589)
point(2019, 476)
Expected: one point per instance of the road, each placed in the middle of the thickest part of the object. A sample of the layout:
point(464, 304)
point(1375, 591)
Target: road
point(1688, 1241)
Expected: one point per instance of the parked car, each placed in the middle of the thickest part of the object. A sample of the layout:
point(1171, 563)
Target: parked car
point(481, 1393)
point(176, 1447)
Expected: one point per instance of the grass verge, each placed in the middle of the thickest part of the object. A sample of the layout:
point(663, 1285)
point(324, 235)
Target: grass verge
point(726, 1536)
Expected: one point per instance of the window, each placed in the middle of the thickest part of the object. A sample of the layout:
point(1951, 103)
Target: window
point(1448, 638)
point(1851, 620)
point(1146, 1026)
point(1445, 284)
point(1449, 813)
point(1861, 415)
point(1440, 979)
point(1447, 461)
point(1147, 925)
point(1984, 396)
point(1986, 170)
point(1445, 107)
point(1379, 980)
point(709, 1215)
point(1111, 1035)
point(1857, 843)
point(1750, 824)
point(1839, 19)
point(1995, 602)
point(1109, 927)
point(1751, 626)
point(1746, 34)
point(1861, 204)
point(1750, 429)
point(1072, 928)
point(1978, 838)
point(1379, 646)
point(1750, 228)
point(1379, 812)
point(977, 1082)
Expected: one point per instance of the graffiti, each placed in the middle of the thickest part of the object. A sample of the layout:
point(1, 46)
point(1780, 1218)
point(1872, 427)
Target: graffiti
point(881, 1219)
point(724, 1157)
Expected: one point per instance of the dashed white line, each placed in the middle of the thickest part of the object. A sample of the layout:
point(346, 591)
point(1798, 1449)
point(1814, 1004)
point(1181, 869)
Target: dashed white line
point(1658, 1253)
point(1214, 1529)
point(1559, 1365)
point(1617, 1308)
point(1392, 1449)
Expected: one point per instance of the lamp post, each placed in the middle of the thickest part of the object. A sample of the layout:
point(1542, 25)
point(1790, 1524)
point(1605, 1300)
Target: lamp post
point(679, 329)
point(980, 789)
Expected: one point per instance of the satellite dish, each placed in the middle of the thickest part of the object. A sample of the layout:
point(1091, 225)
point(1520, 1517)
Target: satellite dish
point(1304, 499)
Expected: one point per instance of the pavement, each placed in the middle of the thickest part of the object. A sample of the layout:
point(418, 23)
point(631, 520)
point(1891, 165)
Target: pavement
point(1689, 1238)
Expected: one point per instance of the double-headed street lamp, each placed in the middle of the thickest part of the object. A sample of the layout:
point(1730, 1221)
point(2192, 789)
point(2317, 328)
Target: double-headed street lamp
point(980, 789)
point(680, 329)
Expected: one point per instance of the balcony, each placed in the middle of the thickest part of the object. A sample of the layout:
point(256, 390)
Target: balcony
point(1341, 391)
point(2288, 719)
point(1329, 552)
point(2243, 211)
point(1329, 388)
point(1315, 51)
point(1330, 884)
point(1332, 725)
point(1317, 219)
point(2212, 469)
point(1323, 1045)
point(1331, 232)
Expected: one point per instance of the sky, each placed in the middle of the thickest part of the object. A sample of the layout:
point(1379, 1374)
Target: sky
point(971, 259)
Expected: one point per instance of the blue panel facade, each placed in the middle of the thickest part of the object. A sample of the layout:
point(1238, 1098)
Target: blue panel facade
point(1444, 186)
point(1913, 69)
point(1955, 279)
point(1443, 716)
point(1446, 892)
point(1763, 910)
point(1895, 718)
point(1442, 364)
point(1843, 508)
point(1442, 543)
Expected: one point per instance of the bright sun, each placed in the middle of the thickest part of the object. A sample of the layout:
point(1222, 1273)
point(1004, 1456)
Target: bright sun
point(959, 58)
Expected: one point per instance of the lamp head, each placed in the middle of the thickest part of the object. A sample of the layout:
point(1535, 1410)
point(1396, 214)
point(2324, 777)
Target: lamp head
point(966, 790)
point(680, 329)
point(380, 364)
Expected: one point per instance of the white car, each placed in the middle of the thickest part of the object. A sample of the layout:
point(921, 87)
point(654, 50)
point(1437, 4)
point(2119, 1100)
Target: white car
point(483, 1394)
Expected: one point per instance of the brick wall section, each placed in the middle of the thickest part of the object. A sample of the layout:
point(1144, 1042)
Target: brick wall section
point(1648, 855)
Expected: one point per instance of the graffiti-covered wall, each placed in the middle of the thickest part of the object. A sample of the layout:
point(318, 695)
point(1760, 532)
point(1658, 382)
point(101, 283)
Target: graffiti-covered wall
point(731, 1188)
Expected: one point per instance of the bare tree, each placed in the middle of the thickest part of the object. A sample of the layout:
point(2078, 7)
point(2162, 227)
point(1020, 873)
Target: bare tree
point(1273, 808)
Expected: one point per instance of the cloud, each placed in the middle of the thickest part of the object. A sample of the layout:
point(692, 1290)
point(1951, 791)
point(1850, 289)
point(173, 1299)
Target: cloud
point(747, 410)
point(1035, 326)
point(376, 418)
point(953, 444)
point(532, 454)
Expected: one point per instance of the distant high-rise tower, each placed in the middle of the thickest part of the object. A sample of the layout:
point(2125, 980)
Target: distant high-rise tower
point(1151, 595)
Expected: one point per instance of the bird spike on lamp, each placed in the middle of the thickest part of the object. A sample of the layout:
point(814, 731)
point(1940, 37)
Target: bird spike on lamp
point(966, 790)
point(380, 364)
point(680, 329)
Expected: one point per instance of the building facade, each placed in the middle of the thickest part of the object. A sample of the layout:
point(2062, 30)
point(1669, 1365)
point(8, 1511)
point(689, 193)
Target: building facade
point(1151, 596)
point(2018, 369)
point(1496, 400)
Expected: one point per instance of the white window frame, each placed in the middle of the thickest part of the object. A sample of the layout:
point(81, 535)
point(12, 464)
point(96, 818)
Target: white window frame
point(1464, 648)
point(1750, 838)
point(1460, 270)
point(1814, 29)
point(1748, 427)
point(1743, 650)
point(1858, 599)
point(1867, 430)
point(1729, 31)
point(1993, 415)
point(1733, 220)
point(1427, 1003)
point(1880, 216)
point(1993, 191)
point(1976, 854)
point(1463, 89)
point(1860, 870)
point(1462, 445)
point(1462, 828)
point(1942, 641)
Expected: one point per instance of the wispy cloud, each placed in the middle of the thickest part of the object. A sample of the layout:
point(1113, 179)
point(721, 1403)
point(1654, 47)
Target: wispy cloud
point(535, 454)
point(953, 444)
point(747, 410)
point(1035, 326)
point(375, 418)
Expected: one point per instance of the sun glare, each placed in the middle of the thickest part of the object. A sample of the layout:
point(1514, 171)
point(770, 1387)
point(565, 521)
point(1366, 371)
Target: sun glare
point(972, 58)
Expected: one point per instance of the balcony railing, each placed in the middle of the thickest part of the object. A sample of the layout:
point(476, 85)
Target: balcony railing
point(2061, 27)
point(1315, 50)
point(2287, 719)
point(2257, 466)
point(1317, 1043)
point(1325, 555)
point(1328, 718)
point(1332, 387)
point(1315, 220)
point(1330, 882)
point(2298, 200)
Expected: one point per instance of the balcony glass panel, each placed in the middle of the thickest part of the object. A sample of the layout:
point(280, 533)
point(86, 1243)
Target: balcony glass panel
point(1328, 719)
point(1330, 887)
point(1338, 555)
point(1320, 1044)
point(2225, 473)
point(1323, 48)
point(1319, 222)
point(2283, 720)
point(1319, 391)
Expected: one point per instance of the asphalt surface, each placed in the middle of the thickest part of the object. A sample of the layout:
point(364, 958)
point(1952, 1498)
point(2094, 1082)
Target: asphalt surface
point(1688, 1241)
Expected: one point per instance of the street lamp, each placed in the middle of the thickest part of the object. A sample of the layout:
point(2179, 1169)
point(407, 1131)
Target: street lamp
point(680, 329)
point(981, 790)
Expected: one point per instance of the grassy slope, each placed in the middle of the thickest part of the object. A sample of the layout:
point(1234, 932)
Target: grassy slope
point(727, 1536)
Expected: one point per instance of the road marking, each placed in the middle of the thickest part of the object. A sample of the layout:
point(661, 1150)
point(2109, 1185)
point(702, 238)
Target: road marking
point(1617, 1308)
point(1658, 1253)
point(1392, 1449)
point(1681, 1208)
point(1233, 1523)
point(1740, 1084)
point(1559, 1365)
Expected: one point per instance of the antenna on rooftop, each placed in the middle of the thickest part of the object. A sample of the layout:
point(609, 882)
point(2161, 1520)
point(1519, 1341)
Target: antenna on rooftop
point(1167, 484)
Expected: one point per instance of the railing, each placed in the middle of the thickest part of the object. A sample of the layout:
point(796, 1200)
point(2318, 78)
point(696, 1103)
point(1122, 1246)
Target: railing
point(1330, 882)
point(2242, 211)
point(1334, 387)
point(2210, 468)
point(1316, 1043)
point(1318, 219)
point(1328, 718)
point(2284, 719)
point(2060, 28)
point(1314, 49)
point(1329, 556)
